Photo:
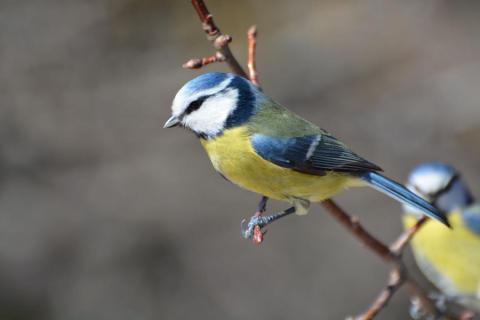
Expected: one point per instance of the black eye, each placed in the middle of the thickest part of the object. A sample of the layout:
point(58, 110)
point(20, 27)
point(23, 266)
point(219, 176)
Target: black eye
point(195, 105)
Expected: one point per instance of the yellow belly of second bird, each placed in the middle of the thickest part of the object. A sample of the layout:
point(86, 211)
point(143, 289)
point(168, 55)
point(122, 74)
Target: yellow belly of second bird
point(450, 258)
point(234, 157)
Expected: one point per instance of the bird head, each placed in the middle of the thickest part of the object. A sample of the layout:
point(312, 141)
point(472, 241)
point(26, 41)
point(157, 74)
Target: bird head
point(212, 102)
point(441, 184)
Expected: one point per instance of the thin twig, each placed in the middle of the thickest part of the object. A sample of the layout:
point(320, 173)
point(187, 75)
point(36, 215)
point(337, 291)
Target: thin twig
point(219, 40)
point(398, 245)
point(398, 274)
point(197, 63)
point(354, 226)
point(396, 279)
point(206, 18)
point(392, 255)
point(252, 46)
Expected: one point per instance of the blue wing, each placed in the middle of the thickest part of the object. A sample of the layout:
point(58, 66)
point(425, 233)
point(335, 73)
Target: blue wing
point(313, 154)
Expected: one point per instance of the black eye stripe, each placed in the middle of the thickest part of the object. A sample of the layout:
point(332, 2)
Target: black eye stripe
point(433, 196)
point(447, 187)
point(195, 105)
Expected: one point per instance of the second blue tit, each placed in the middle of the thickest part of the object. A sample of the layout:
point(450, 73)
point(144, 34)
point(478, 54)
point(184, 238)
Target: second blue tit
point(263, 147)
point(449, 258)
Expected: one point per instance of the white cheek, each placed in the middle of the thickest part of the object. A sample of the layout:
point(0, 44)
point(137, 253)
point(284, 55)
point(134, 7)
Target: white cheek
point(430, 183)
point(211, 117)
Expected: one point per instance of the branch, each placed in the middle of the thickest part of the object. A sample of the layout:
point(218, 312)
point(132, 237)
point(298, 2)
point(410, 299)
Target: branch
point(390, 254)
point(354, 226)
point(219, 40)
point(197, 63)
point(206, 18)
point(398, 245)
point(252, 46)
point(396, 279)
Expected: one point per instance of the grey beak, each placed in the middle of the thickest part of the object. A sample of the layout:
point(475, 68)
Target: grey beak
point(171, 122)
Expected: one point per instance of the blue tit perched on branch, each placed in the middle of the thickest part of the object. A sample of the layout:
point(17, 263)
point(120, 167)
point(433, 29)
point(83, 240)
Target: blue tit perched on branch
point(263, 147)
point(450, 259)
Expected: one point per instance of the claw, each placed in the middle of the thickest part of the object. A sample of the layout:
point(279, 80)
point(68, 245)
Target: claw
point(246, 230)
point(253, 230)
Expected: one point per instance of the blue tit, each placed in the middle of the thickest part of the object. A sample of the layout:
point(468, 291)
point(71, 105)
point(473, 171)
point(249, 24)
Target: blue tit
point(263, 147)
point(449, 258)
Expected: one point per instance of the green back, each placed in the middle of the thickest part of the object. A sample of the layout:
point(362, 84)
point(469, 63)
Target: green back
point(275, 120)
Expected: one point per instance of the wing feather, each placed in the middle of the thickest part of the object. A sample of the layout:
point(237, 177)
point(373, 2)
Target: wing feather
point(313, 154)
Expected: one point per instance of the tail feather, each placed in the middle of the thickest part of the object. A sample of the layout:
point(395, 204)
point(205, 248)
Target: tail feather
point(402, 194)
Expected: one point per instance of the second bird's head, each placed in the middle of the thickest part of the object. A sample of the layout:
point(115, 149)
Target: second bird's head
point(440, 184)
point(213, 102)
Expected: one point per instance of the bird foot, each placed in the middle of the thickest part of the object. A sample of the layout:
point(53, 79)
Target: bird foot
point(253, 229)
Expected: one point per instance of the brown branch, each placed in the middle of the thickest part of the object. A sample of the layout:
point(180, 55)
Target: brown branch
point(398, 245)
point(354, 226)
point(197, 63)
point(252, 46)
point(206, 18)
point(390, 254)
point(219, 40)
point(396, 279)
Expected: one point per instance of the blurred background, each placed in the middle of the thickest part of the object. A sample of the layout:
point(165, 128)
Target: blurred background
point(105, 215)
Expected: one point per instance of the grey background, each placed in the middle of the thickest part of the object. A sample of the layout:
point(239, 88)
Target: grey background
point(105, 215)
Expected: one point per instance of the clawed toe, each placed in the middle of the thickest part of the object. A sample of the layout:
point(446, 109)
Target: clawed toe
point(253, 229)
point(248, 229)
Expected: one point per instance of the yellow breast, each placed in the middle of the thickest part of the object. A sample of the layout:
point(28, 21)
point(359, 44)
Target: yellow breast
point(234, 157)
point(450, 258)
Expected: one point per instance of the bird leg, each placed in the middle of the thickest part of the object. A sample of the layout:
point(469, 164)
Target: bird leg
point(262, 205)
point(253, 230)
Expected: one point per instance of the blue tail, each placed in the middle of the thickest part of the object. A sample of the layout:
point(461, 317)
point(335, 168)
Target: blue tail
point(402, 194)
